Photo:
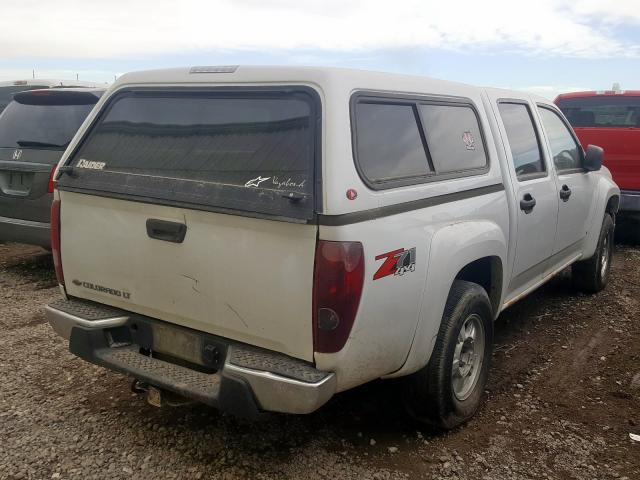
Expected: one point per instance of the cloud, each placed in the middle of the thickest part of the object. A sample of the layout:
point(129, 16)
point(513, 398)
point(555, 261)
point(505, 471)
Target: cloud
point(125, 28)
point(608, 12)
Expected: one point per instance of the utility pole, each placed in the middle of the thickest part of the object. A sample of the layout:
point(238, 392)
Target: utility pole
point(33, 73)
point(77, 76)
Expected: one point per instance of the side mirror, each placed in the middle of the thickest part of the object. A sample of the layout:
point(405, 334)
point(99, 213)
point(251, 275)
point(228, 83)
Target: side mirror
point(593, 158)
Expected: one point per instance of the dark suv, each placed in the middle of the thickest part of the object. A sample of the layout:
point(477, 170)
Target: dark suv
point(35, 129)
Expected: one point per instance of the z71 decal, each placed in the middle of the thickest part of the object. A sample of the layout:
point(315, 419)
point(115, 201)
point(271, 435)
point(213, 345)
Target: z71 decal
point(396, 262)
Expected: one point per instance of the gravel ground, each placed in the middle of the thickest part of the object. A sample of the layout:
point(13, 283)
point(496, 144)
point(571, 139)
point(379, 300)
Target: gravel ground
point(563, 396)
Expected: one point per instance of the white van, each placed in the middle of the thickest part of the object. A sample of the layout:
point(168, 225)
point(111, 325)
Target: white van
point(261, 238)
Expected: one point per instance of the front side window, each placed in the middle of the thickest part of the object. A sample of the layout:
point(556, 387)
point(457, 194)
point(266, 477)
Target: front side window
point(251, 151)
point(389, 144)
point(564, 149)
point(522, 138)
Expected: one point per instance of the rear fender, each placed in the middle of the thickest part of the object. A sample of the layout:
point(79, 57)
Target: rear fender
point(452, 248)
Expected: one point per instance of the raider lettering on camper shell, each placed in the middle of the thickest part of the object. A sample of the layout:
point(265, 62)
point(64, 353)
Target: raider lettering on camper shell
point(82, 163)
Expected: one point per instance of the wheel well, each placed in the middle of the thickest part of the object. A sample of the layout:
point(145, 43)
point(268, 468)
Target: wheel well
point(486, 272)
point(612, 205)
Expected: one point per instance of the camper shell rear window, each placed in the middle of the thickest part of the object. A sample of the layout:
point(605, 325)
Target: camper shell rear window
point(230, 150)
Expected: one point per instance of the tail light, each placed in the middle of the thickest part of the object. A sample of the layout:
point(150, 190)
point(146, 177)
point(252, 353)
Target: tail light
point(337, 287)
point(52, 183)
point(55, 240)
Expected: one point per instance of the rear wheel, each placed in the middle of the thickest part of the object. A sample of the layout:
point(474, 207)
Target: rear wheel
point(591, 275)
point(448, 391)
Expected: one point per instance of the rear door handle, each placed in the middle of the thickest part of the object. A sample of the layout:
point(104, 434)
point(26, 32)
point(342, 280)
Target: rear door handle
point(167, 231)
point(527, 203)
point(565, 193)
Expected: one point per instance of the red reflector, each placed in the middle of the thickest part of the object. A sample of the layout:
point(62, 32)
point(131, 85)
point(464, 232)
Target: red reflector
point(52, 183)
point(337, 287)
point(55, 240)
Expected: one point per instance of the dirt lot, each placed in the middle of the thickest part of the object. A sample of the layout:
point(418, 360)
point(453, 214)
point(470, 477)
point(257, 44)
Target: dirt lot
point(563, 396)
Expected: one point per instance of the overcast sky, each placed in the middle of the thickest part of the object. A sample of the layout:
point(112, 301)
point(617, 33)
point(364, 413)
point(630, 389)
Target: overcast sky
point(545, 46)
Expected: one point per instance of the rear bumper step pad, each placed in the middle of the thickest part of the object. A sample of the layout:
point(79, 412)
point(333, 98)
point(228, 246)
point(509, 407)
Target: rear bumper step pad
point(250, 379)
point(196, 385)
point(64, 314)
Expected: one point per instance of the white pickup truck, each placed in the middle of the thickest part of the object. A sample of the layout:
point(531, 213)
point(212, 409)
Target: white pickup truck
point(261, 238)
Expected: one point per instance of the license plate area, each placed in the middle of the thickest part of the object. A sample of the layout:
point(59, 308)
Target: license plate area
point(175, 344)
point(178, 343)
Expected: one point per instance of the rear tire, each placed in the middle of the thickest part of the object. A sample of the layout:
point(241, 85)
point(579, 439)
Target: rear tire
point(448, 390)
point(592, 275)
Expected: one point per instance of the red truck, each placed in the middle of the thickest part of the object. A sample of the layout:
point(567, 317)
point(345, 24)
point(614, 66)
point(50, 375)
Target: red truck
point(611, 120)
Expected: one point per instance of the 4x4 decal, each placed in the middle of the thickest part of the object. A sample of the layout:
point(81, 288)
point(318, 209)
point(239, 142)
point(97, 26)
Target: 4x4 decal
point(396, 262)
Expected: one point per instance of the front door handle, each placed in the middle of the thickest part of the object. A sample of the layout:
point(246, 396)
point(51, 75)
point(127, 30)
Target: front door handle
point(527, 203)
point(565, 193)
point(173, 232)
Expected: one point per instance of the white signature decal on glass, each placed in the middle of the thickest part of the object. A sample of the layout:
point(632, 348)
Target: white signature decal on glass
point(288, 183)
point(255, 182)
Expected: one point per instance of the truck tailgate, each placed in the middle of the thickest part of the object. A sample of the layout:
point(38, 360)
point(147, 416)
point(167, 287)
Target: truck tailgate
point(247, 279)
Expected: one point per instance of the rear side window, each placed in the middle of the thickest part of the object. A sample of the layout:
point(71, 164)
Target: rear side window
point(564, 149)
point(41, 126)
point(606, 111)
point(232, 150)
point(389, 143)
point(398, 142)
point(523, 139)
point(453, 137)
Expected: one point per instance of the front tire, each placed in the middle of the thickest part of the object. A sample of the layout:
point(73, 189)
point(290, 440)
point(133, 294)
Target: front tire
point(448, 391)
point(592, 275)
